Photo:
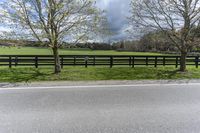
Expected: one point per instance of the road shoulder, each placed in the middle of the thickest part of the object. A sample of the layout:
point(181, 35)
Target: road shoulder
point(92, 83)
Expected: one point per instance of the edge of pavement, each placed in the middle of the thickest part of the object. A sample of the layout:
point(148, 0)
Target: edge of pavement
point(92, 83)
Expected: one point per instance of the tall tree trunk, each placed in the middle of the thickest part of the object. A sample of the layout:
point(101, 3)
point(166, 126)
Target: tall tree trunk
point(57, 65)
point(183, 61)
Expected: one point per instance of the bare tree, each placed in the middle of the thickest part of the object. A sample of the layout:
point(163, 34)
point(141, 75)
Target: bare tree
point(176, 18)
point(53, 21)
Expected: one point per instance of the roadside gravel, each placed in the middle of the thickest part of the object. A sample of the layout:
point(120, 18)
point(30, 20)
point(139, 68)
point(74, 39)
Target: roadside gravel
point(86, 83)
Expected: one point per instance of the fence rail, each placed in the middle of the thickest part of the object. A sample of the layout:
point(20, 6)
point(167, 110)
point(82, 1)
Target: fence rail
point(96, 60)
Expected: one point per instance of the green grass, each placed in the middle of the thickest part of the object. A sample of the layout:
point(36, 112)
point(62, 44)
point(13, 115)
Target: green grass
point(47, 51)
point(27, 74)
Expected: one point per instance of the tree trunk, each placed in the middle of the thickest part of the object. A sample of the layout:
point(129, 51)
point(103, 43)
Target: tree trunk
point(183, 61)
point(57, 66)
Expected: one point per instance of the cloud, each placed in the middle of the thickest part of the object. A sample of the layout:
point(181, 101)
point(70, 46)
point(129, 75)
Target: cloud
point(103, 4)
point(117, 13)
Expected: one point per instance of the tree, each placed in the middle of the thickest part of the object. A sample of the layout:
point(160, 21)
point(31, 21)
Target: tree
point(157, 41)
point(176, 18)
point(52, 21)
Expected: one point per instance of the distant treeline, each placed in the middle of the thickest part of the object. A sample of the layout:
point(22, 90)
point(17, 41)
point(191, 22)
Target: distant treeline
point(24, 43)
point(152, 42)
point(19, 43)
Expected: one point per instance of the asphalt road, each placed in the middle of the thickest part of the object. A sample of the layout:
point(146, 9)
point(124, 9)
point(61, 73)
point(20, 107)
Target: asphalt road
point(106, 109)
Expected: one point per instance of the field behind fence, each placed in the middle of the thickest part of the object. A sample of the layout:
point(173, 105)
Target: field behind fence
point(95, 60)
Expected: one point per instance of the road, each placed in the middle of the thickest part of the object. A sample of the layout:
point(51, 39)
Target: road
point(101, 109)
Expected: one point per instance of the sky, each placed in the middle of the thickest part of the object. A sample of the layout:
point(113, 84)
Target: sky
point(117, 12)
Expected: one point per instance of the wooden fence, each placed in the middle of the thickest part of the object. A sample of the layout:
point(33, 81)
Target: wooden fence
point(95, 60)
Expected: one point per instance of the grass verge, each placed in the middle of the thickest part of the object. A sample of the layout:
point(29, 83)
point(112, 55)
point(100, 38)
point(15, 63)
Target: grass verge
point(25, 74)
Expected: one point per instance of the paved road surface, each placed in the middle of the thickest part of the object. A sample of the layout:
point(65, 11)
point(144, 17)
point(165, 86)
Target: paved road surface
point(111, 109)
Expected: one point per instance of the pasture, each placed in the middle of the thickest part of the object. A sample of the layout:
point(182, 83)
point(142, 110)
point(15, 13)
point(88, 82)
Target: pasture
point(77, 73)
point(47, 51)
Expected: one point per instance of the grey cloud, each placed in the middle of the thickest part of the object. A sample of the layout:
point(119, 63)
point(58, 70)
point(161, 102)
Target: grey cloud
point(117, 13)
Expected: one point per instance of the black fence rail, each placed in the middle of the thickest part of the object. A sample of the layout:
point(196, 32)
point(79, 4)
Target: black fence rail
point(95, 60)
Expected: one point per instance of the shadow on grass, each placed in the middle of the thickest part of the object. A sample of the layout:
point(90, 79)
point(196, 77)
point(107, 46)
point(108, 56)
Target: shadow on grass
point(21, 75)
point(167, 74)
point(93, 73)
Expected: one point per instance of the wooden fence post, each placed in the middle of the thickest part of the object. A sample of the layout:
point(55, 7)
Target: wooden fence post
point(74, 60)
point(111, 61)
point(16, 60)
point(164, 61)
point(10, 61)
point(36, 61)
point(133, 62)
point(176, 62)
point(156, 61)
point(86, 62)
point(147, 61)
point(197, 61)
point(94, 61)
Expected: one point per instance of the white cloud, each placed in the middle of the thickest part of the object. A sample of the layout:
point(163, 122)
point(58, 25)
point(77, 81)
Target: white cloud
point(117, 13)
point(4, 28)
point(103, 4)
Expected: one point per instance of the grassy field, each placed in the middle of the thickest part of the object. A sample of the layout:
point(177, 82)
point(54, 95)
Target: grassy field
point(46, 51)
point(25, 74)
point(29, 74)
